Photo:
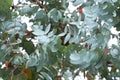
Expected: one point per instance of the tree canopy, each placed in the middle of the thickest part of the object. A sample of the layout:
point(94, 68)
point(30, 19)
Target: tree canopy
point(60, 43)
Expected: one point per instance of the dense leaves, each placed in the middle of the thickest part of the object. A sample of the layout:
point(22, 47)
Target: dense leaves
point(27, 45)
point(47, 40)
point(5, 11)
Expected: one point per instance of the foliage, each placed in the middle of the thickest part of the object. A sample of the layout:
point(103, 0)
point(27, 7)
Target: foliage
point(5, 9)
point(60, 43)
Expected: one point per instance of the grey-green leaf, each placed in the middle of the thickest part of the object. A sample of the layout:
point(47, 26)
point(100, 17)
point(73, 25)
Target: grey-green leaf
point(67, 38)
point(46, 76)
point(31, 62)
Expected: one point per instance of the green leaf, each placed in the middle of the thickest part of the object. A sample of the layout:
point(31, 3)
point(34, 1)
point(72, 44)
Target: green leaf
point(50, 34)
point(31, 62)
point(5, 8)
point(84, 58)
point(38, 32)
point(2, 18)
point(52, 47)
point(78, 2)
point(28, 10)
point(14, 26)
point(1, 56)
point(55, 15)
point(40, 14)
point(67, 38)
point(114, 53)
point(45, 75)
point(47, 29)
point(18, 60)
point(64, 3)
point(75, 58)
point(43, 39)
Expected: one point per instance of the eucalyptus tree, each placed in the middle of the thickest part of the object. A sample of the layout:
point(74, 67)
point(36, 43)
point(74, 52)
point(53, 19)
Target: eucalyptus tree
point(60, 43)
